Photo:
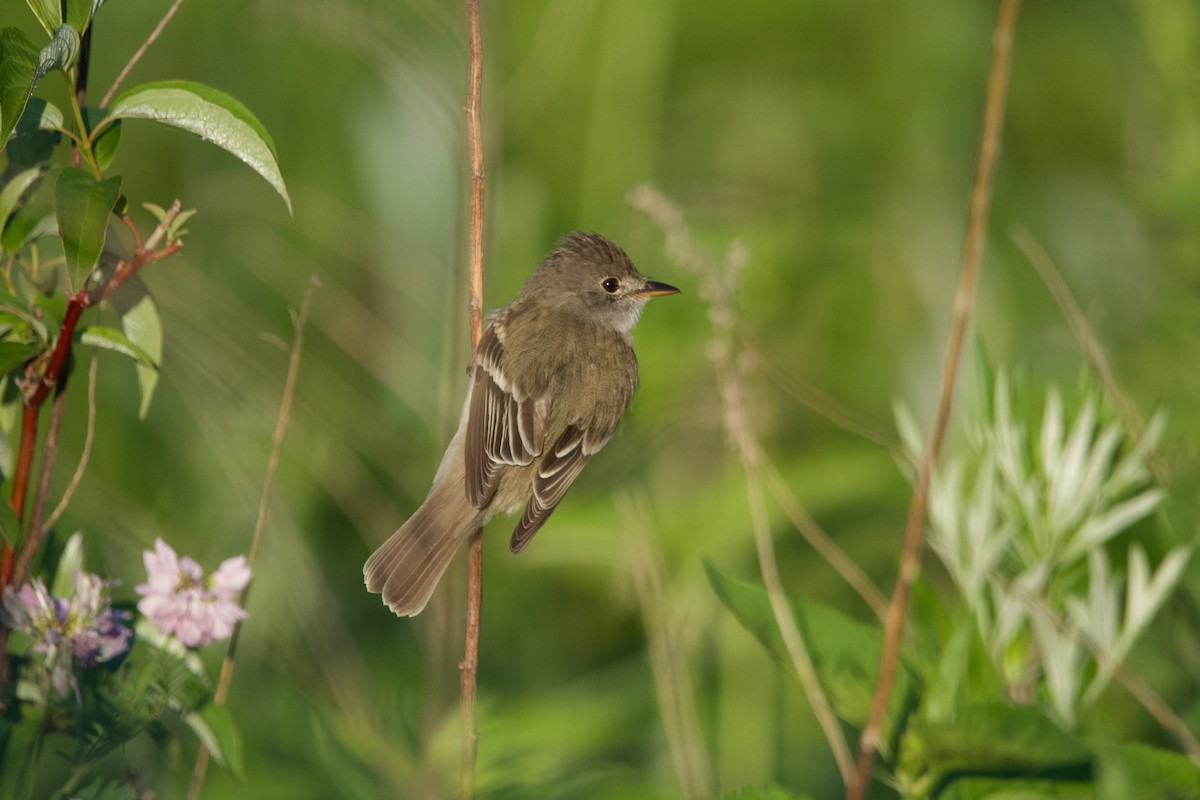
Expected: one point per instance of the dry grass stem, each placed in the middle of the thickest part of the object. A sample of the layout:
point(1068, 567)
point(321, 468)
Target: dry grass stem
point(668, 661)
point(964, 303)
point(718, 287)
point(299, 320)
point(825, 405)
point(816, 536)
point(1089, 343)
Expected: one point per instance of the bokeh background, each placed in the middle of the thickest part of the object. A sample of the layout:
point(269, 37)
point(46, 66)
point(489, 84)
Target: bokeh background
point(834, 140)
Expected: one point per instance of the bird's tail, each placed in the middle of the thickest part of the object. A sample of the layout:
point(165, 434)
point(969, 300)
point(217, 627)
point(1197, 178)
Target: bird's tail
point(408, 566)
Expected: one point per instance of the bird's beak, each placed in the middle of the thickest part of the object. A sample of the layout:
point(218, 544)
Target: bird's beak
point(656, 289)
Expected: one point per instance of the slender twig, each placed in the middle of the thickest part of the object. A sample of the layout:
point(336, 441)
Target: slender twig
point(84, 456)
point(141, 51)
point(964, 302)
point(470, 663)
point(820, 541)
point(45, 473)
point(751, 457)
point(1089, 343)
point(668, 662)
point(718, 286)
point(299, 320)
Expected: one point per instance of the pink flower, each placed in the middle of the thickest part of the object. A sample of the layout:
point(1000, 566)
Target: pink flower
point(81, 628)
point(178, 599)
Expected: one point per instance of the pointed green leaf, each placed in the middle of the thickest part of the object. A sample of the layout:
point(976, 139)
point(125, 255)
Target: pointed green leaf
point(70, 562)
point(13, 354)
point(59, 53)
point(78, 13)
point(14, 190)
point(1017, 789)
point(39, 115)
point(845, 653)
point(38, 132)
point(82, 205)
point(210, 114)
point(48, 13)
point(29, 222)
point(18, 70)
point(1129, 769)
point(217, 731)
point(143, 327)
point(994, 738)
point(113, 339)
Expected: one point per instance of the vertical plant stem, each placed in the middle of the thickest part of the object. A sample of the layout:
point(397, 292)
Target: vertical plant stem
point(470, 663)
point(964, 303)
point(668, 660)
point(299, 320)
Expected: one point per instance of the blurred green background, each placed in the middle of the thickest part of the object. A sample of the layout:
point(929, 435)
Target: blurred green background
point(835, 140)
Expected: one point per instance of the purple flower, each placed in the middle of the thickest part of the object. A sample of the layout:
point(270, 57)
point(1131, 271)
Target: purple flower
point(177, 598)
point(82, 628)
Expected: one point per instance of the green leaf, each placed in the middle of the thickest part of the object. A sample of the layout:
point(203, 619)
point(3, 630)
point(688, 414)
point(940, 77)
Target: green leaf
point(18, 73)
point(59, 53)
point(13, 354)
point(79, 12)
point(39, 115)
point(14, 190)
point(1129, 769)
point(762, 793)
point(992, 738)
point(845, 653)
point(98, 790)
point(1017, 789)
point(174, 229)
point(29, 222)
point(113, 339)
point(70, 562)
point(82, 205)
point(217, 731)
point(48, 13)
point(106, 138)
point(143, 327)
point(22, 743)
point(210, 114)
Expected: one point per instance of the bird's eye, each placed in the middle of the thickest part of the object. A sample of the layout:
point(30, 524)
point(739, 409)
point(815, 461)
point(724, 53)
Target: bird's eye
point(610, 284)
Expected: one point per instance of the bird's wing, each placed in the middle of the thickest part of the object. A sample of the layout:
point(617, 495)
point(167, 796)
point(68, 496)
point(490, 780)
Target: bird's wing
point(555, 474)
point(505, 427)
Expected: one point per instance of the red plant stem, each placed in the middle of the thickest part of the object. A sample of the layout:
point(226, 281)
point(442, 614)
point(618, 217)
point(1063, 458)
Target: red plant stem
point(39, 387)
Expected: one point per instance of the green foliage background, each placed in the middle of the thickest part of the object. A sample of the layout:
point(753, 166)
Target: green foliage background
point(836, 140)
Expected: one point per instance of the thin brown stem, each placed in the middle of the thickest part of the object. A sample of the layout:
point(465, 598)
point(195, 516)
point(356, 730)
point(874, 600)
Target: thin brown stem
point(964, 303)
point(820, 541)
point(470, 664)
point(718, 287)
point(141, 51)
point(84, 456)
point(668, 662)
point(299, 320)
point(37, 514)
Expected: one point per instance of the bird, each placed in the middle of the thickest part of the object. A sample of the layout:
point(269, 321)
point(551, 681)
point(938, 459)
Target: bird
point(551, 377)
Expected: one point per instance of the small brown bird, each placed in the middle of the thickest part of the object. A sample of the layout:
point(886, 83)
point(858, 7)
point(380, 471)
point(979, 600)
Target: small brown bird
point(552, 376)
